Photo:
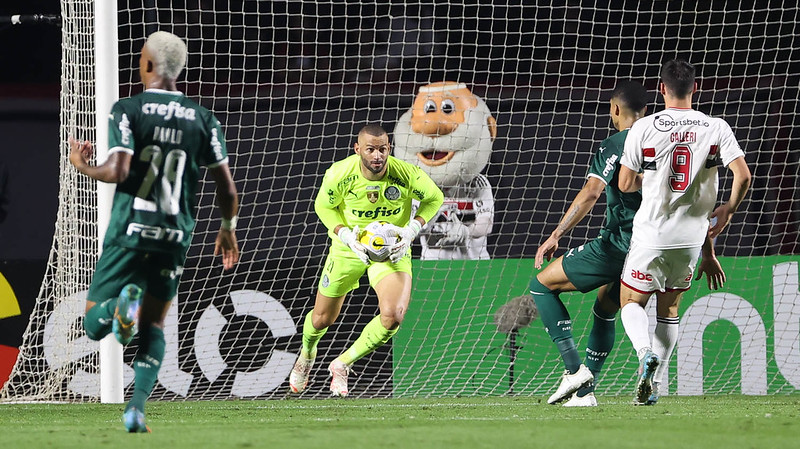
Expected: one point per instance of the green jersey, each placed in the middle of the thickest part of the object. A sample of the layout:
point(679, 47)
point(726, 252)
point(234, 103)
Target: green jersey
point(169, 138)
point(620, 207)
point(347, 197)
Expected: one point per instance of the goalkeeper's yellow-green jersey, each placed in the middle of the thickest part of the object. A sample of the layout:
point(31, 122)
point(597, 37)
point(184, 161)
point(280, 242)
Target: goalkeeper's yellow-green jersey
point(346, 197)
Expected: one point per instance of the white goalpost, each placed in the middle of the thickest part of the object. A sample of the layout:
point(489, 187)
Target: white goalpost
point(292, 82)
point(106, 94)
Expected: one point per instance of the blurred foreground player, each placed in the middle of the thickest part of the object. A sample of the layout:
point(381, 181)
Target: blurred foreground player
point(158, 140)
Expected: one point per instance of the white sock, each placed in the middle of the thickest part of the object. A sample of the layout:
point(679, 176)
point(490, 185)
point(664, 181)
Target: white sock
point(664, 339)
point(634, 320)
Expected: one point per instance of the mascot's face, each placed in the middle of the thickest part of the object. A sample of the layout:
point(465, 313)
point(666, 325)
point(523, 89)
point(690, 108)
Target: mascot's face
point(448, 132)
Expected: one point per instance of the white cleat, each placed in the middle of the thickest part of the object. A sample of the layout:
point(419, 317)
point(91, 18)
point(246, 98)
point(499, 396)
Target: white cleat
point(587, 401)
point(570, 383)
point(339, 372)
point(298, 379)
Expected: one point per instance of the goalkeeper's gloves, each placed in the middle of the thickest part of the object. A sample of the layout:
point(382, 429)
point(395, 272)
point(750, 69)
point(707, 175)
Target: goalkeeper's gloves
point(456, 235)
point(350, 238)
point(405, 236)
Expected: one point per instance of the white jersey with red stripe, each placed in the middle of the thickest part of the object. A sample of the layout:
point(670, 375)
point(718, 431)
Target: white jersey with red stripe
point(678, 151)
point(468, 207)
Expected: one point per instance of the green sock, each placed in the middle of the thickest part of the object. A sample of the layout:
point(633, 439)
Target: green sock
point(557, 323)
point(97, 322)
point(601, 341)
point(146, 365)
point(372, 337)
point(311, 336)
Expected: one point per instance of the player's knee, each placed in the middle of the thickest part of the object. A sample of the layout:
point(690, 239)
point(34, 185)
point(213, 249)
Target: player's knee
point(322, 319)
point(605, 308)
point(537, 287)
point(607, 304)
point(546, 300)
point(393, 319)
point(542, 296)
point(667, 311)
point(92, 336)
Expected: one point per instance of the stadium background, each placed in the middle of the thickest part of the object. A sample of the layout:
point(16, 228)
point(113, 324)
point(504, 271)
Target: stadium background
point(544, 70)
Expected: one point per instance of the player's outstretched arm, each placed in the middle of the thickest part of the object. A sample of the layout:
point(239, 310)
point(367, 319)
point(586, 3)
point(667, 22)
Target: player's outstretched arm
point(227, 199)
point(741, 183)
point(583, 203)
point(709, 265)
point(114, 170)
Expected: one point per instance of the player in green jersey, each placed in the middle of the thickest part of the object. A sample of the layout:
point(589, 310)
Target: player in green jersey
point(158, 140)
point(368, 186)
point(598, 263)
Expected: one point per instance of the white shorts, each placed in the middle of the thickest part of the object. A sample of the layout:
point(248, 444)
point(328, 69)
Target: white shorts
point(659, 270)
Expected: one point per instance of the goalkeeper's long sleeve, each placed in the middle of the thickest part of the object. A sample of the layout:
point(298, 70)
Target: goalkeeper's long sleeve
point(330, 216)
point(327, 203)
point(430, 196)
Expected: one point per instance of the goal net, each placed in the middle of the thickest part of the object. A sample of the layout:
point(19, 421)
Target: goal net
point(292, 82)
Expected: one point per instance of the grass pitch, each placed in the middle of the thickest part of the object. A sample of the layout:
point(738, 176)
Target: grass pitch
point(498, 422)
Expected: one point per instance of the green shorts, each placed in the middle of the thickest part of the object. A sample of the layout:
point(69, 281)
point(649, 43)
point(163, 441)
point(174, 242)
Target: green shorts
point(343, 269)
point(593, 264)
point(156, 273)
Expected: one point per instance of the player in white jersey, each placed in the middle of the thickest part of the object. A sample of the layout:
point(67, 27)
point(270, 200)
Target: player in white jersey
point(678, 151)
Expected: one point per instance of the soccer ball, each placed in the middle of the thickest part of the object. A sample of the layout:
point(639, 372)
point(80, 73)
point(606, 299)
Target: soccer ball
point(377, 238)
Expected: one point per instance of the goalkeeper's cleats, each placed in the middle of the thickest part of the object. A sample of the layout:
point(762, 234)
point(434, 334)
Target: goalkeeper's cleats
point(581, 401)
point(126, 313)
point(570, 383)
point(644, 386)
point(298, 379)
point(339, 372)
point(134, 421)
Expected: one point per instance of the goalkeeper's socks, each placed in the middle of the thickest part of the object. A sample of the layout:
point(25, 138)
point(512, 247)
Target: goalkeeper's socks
point(147, 364)
point(557, 323)
point(98, 319)
point(372, 337)
point(311, 336)
point(601, 338)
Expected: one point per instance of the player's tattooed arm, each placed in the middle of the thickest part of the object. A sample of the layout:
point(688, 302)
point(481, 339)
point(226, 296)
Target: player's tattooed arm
point(583, 203)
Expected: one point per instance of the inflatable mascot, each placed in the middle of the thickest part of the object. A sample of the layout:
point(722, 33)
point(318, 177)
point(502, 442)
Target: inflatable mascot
point(449, 133)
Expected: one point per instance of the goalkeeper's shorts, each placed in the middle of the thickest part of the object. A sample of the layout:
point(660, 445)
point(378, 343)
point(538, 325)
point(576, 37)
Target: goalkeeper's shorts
point(343, 269)
point(156, 273)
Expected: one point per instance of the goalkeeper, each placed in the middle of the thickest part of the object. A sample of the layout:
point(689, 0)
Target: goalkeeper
point(368, 186)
